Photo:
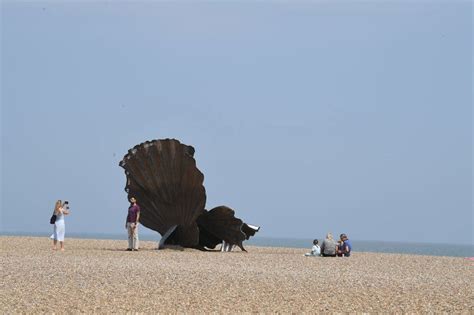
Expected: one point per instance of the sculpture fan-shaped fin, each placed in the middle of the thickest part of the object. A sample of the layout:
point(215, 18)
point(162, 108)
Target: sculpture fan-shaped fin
point(220, 224)
point(163, 177)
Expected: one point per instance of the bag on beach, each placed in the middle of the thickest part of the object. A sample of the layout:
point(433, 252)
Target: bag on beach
point(53, 219)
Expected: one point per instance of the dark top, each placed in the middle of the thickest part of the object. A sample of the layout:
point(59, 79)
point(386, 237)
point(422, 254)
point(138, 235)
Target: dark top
point(132, 213)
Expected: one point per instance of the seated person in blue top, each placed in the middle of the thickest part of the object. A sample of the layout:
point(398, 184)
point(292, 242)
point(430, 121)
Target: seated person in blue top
point(346, 247)
point(315, 250)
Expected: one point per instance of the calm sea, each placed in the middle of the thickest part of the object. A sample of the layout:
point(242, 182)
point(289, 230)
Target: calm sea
point(457, 250)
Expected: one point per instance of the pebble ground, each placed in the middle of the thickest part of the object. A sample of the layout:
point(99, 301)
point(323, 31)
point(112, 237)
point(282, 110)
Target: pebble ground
point(99, 276)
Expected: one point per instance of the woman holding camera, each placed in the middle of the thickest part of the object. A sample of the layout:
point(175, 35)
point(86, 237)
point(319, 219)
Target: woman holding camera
point(59, 228)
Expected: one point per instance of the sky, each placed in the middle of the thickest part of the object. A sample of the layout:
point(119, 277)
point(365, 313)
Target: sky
point(307, 117)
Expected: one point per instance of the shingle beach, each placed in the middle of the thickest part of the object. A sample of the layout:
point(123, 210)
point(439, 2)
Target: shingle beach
point(100, 276)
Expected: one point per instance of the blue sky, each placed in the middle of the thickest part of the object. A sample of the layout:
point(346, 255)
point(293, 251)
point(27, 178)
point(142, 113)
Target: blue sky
point(306, 117)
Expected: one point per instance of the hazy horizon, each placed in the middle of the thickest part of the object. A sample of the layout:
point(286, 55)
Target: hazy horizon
point(306, 117)
point(150, 235)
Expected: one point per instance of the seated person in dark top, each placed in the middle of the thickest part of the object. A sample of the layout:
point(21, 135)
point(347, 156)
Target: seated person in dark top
point(346, 247)
point(339, 247)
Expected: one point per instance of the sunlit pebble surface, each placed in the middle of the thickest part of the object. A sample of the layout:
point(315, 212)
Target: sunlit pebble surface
point(100, 276)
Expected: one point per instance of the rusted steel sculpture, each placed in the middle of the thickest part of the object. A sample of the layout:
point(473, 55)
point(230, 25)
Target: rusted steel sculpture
point(163, 177)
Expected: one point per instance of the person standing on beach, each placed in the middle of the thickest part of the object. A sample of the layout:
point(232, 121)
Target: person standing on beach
point(131, 224)
point(328, 248)
point(59, 227)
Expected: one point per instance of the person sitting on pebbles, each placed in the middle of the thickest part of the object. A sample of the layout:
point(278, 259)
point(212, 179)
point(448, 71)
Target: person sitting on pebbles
point(328, 249)
point(345, 247)
point(315, 250)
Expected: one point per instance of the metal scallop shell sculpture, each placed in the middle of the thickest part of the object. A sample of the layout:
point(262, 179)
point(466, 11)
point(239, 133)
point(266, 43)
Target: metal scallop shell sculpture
point(163, 177)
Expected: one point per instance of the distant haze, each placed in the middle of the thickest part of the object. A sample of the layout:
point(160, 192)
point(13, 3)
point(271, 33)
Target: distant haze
point(306, 117)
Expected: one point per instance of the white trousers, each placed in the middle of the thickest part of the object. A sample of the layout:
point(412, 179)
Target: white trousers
point(132, 235)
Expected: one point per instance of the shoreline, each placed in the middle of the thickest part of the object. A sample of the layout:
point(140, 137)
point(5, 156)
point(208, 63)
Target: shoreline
point(247, 245)
point(422, 249)
point(100, 276)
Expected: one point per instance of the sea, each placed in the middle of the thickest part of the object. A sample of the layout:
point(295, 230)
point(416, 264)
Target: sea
point(431, 249)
